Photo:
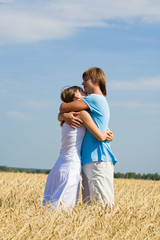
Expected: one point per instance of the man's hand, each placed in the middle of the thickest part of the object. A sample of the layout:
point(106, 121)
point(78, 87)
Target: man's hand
point(109, 137)
point(71, 119)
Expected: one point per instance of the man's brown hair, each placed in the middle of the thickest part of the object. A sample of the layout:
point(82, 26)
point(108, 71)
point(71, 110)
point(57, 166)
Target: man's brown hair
point(97, 76)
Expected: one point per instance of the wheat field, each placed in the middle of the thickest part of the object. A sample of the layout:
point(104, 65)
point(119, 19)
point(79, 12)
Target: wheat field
point(136, 214)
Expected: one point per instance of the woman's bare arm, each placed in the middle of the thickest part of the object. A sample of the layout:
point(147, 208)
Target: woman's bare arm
point(92, 127)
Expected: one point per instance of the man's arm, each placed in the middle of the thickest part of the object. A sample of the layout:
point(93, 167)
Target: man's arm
point(60, 117)
point(78, 105)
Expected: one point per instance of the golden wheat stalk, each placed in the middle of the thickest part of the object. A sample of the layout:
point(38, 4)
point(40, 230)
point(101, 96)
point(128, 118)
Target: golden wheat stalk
point(136, 214)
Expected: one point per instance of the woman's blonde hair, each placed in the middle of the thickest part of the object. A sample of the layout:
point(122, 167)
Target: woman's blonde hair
point(68, 94)
point(97, 76)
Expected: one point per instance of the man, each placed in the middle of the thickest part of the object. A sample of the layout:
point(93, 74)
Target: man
point(97, 158)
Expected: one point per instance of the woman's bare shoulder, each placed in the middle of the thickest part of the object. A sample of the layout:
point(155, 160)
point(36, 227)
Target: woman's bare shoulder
point(83, 114)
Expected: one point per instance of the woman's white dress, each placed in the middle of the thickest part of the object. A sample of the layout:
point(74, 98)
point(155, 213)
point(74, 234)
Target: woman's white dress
point(63, 182)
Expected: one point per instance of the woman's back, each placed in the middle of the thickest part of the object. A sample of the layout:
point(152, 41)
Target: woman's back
point(71, 142)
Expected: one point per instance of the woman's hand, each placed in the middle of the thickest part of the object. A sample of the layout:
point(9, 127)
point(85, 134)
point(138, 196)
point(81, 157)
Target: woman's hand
point(108, 135)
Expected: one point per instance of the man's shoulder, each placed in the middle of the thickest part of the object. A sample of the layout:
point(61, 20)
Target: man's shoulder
point(95, 96)
point(96, 102)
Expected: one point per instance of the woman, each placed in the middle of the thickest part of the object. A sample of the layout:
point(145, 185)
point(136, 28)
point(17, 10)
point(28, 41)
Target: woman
point(63, 182)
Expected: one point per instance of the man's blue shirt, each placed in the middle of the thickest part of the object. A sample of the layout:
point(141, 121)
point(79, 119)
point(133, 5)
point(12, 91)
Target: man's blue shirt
point(92, 149)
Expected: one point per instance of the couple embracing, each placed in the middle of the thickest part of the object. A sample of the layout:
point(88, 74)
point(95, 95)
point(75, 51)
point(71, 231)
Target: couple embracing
point(84, 117)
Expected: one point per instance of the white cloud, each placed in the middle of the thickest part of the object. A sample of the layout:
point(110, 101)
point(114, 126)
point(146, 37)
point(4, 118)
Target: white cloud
point(135, 104)
point(152, 83)
point(20, 115)
point(149, 108)
point(23, 21)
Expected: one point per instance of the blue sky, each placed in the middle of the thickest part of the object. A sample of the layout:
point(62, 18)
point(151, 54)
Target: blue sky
point(46, 45)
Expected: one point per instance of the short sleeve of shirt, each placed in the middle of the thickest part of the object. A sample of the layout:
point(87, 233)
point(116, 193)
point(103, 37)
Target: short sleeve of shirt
point(92, 102)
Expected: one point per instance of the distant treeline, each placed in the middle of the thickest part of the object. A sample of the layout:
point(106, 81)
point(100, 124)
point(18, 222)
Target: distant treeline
point(129, 175)
point(26, 170)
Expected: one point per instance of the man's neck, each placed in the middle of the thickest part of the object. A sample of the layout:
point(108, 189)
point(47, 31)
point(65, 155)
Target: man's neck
point(96, 90)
